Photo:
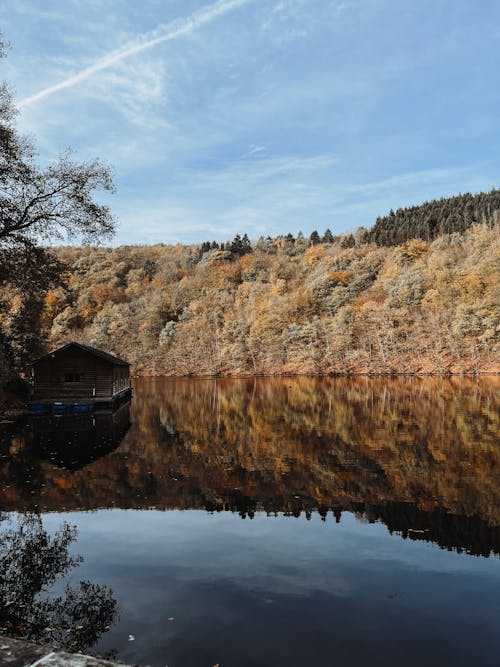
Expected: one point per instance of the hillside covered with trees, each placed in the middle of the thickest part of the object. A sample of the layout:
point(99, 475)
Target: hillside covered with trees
point(285, 305)
point(441, 216)
point(416, 293)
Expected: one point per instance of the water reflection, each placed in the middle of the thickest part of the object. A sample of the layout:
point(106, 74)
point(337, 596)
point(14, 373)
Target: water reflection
point(419, 454)
point(73, 441)
point(31, 561)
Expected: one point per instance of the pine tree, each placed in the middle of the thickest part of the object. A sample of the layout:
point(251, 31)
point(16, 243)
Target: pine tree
point(348, 241)
point(328, 237)
point(315, 238)
point(246, 245)
point(236, 245)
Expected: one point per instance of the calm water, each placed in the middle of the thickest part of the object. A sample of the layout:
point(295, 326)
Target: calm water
point(281, 522)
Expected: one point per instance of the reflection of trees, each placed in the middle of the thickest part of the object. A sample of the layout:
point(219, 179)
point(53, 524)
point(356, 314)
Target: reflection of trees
point(31, 561)
point(420, 454)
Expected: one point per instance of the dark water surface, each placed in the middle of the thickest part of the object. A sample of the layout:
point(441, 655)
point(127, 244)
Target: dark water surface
point(278, 522)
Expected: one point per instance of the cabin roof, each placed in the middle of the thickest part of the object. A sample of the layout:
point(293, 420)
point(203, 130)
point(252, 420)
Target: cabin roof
point(110, 358)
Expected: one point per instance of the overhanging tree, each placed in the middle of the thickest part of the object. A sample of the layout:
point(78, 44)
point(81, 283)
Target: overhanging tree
point(40, 206)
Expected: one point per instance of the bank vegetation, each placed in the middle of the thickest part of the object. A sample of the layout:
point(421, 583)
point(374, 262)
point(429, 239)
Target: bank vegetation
point(285, 306)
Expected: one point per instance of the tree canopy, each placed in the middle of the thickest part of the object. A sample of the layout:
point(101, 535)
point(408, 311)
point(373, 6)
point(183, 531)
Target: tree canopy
point(434, 218)
point(40, 206)
point(43, 205)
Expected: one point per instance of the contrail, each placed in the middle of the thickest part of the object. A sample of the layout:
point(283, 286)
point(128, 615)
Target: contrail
point(169, 32)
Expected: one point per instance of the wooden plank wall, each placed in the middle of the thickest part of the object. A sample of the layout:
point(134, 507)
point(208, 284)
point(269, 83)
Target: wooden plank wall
point(49, 376)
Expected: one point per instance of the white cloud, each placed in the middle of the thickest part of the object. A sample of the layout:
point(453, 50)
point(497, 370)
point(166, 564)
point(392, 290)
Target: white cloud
point(134, 90)
point(272, 196)
point(254, 194)
point(164, 33)
point(409, 180)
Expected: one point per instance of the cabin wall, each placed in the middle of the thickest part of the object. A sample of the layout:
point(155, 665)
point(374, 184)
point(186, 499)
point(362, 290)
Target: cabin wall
point(55, 377)
point(121, 379)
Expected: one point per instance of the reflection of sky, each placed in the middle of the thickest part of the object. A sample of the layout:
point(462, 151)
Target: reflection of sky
point(265, 116)
point(277, 590)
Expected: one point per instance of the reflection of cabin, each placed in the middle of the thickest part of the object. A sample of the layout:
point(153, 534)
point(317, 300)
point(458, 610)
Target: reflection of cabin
point(78, 373)
point(74, 441)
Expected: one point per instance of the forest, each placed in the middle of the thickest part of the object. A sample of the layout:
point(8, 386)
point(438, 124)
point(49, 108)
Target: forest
point(284, 306)
point(431, 219)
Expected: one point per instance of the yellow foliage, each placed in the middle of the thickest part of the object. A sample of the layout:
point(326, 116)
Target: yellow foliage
point(374, 295)
point(429, 297)
point(314, 254)
point(417, 308)
point(158, 283)
point(247, 261)
point(51, 301)
point(413, 249)
point(471, 286)
point(340, 277)
point(278, 287)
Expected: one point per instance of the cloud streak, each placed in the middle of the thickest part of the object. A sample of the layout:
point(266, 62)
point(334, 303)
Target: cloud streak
point(165, 33)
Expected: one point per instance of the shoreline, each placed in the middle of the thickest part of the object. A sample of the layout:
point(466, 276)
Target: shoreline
point(9, 415)
point(241, 376)
point(17, 652)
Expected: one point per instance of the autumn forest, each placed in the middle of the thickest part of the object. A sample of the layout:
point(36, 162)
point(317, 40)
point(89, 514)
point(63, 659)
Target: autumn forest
point(314, 305)
point(417, 292)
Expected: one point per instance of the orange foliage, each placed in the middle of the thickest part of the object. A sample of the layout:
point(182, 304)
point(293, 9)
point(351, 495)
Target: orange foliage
point(340, 277)
point(314, 254)
point(169, 310)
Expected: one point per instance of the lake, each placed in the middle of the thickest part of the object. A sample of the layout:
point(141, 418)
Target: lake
point(260, 522)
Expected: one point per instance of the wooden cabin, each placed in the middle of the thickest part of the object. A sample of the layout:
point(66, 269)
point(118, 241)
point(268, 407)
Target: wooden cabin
point(77, 373)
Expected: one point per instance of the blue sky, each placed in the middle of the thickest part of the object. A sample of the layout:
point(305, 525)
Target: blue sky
point(262, 116)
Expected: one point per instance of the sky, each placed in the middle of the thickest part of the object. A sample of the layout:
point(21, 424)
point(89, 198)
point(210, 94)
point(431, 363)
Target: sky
point(261, 116)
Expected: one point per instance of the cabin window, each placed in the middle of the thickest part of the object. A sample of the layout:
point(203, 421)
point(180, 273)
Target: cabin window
point(73, 377)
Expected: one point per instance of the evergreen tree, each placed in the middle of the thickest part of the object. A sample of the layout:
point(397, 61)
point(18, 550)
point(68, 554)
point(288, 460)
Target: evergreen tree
point(237, 245)
point(246, 245)
point(348, 241)
point(431, 219)
point(328, 237)
point(315, 238)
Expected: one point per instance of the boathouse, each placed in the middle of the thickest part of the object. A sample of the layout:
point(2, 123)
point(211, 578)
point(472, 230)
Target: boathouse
point(80, 374)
